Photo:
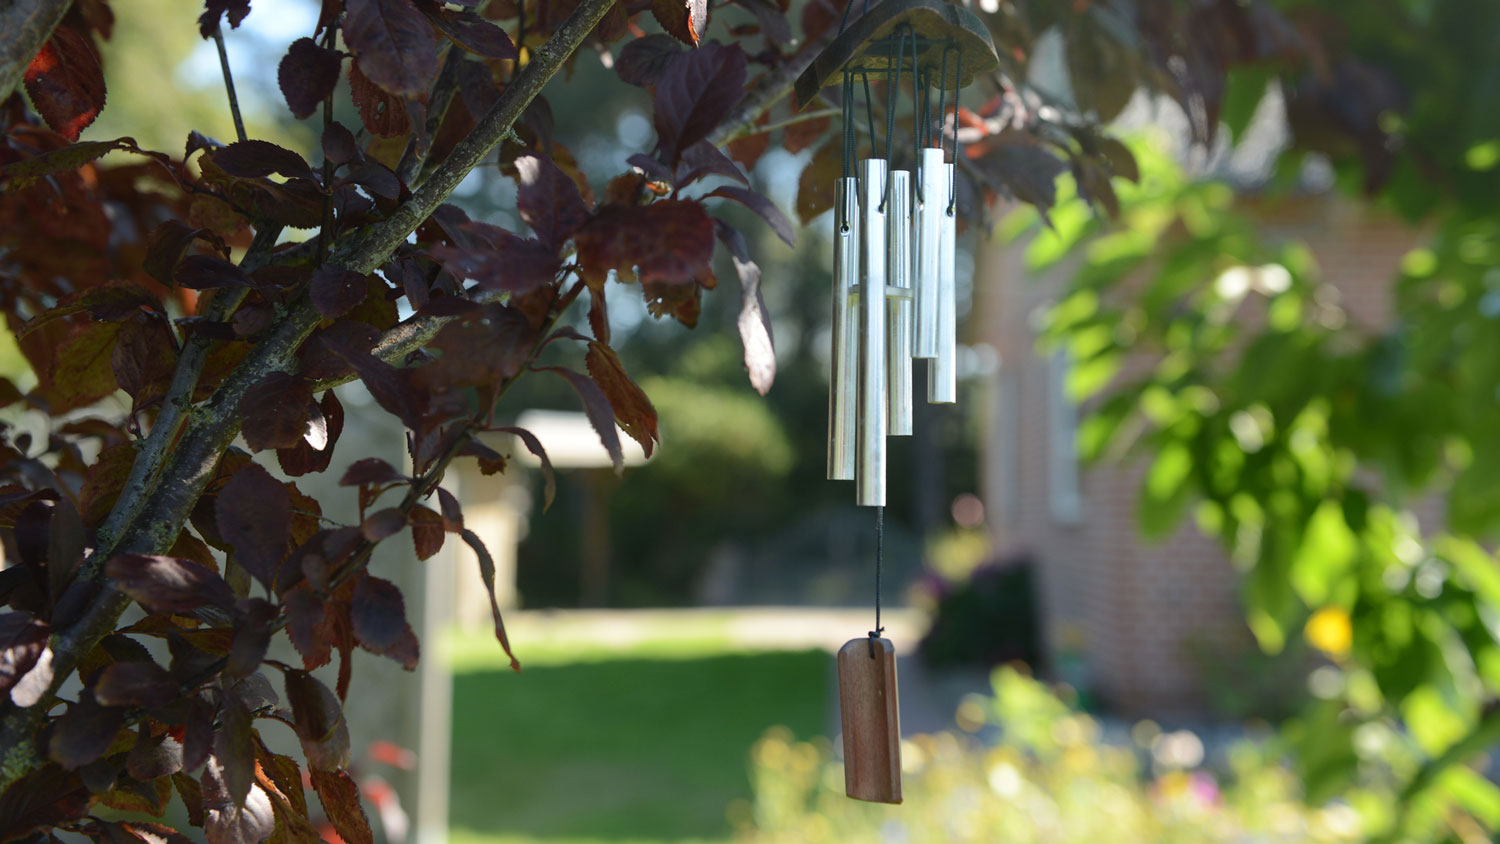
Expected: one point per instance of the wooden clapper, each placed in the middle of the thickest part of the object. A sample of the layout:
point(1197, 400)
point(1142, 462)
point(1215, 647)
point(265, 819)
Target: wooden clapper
point(894, 285)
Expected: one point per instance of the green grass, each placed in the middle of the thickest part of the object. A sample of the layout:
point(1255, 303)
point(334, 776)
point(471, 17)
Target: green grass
point(648, 744)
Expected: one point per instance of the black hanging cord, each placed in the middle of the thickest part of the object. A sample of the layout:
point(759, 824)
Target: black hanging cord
point(953, 182)
point(847, 95)
point(879, 556)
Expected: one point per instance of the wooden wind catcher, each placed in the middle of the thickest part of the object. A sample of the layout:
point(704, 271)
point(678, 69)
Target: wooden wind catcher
point(893, 294)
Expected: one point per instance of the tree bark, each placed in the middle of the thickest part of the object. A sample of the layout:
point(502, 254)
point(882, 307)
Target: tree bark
point(25, 25)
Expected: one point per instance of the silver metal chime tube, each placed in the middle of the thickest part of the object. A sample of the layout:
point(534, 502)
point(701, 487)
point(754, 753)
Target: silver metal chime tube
point(942, 380)
point(870, 467)
point(932, 201)
point(899, 297)
point(843, 359)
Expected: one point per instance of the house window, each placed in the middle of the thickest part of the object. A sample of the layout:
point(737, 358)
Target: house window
point(1063, 494)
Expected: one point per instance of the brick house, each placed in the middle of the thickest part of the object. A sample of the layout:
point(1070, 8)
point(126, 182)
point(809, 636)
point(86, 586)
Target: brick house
point(1149, 619)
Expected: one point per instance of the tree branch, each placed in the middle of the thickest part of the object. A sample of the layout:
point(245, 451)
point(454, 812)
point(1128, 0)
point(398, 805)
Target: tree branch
point(26, 24)
point(213, 426)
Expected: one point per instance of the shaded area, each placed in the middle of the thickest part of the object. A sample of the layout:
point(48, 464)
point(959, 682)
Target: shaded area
point(623, 749)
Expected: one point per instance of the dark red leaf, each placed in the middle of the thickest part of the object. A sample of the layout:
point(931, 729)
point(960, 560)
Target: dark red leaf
point(695, 93)
point(167, 246)
point(481, 350)
point(534, 445)
point(153, 756)
point(643, 60)
point(370, 470)
point(315, 450)
point(805, 133)
point(754, 321)
point(487, 574)
point(378, 614)
point(396, 46)
point(426, 532)
point(383, 113)
point(815, 185)
point(143, 684)
point(632, 408)
point(470, 31)
point(764, 207)
point(144, 358)
point(197, 733)
point(71, 358)
point(502, 260)
point(453, 514)
point(234, 749)
point(307, 75)
point(255, 159)
point(276, 411)
point(235, 10)
point(340, 798)
point(548, 199)
point(304, 611)
point(383, 523)
point(168, 584)
point(704, 159)
point(66, 83)
point(253, 513)
point(391, 387)
point(339, 145)
point(252, 636)
point(23, 639)
point(335, 291)
point(670, 241)
point(319, 721)
point(64, 159)
point(596, 406)
point(684, 19)
point(205, 272)
point(84, 732)
point(376, 178)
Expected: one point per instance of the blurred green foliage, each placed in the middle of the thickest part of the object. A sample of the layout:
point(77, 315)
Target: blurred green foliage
point(1217, 353)
point(1047, 776)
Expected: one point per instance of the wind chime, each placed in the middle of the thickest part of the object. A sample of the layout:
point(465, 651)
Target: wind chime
point(893, 297)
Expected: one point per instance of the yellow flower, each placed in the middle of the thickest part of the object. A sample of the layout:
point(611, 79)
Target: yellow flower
point(1329, 631)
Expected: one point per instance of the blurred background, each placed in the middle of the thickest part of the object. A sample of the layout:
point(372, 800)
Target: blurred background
point(1064, 677)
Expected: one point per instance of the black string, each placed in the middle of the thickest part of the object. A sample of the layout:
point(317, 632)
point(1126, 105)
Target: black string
point(957, 88)
point(879, 556)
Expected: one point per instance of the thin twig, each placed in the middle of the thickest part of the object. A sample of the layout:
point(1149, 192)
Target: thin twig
point(795, 119)
point(234, 101)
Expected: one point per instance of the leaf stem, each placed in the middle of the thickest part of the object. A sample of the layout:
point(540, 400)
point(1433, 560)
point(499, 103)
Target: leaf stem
point(234, 100)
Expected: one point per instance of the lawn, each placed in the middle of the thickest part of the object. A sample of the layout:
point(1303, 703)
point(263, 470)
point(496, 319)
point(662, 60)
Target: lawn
point(643, 743)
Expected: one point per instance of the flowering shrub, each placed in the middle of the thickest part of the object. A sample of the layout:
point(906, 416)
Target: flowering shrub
point(1047, 776)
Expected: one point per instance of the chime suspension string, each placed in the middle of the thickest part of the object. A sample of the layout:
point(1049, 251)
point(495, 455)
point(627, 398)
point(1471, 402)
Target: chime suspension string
point(923, 120)
point(953, 183)
point(869, 110)
point(847, 95)
point(891, 92)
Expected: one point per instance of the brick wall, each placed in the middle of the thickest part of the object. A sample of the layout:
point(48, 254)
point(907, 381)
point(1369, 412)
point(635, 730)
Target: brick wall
point(1144, 615)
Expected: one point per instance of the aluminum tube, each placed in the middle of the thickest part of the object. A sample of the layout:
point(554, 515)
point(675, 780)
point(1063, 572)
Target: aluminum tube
point(899, 306)
point(869, 470)
point(931, 203)
point(843, 359)
point(942, 379)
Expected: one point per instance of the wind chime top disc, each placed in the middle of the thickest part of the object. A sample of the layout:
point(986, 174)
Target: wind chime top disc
point(867, 45)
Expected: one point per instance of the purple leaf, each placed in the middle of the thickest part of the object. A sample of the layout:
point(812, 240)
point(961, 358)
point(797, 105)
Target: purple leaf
point(764, 207)
point(307, 74)
point(596, 406)
point(205, 272)
point(143, 684)
point(548, 199)
point(23, 638)
point(169, 584)
point(276, 411)
point(253, 513)
point(255, 159)
point(754, 323)
point(396, 45)
point(471, 32)
point(336, 291)
point(644, 60)
point(378, 614)
point(534, 446)
point(370, 470)
point(694, 95)
point(487, 574)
